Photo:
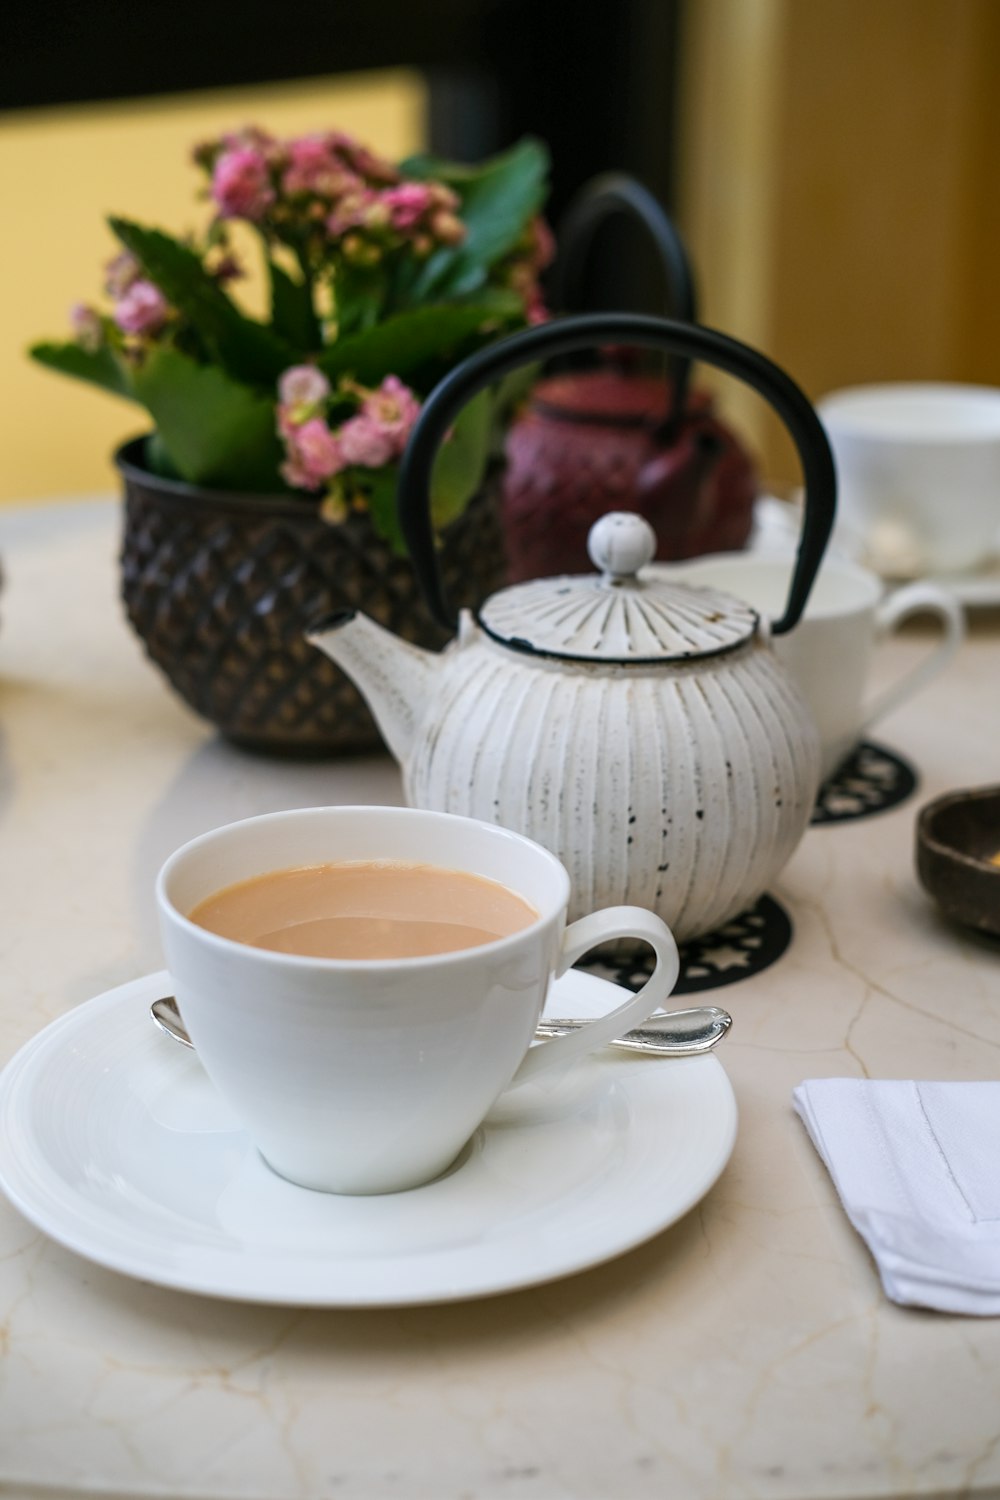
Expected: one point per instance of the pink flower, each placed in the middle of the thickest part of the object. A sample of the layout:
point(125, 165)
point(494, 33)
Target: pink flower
point(253, 138)
point(308, 162)
point(521, 278)
point(416, 209)
point(241, 184)
point(407, 203)
point(448, 228)
point(313, 167)
point(350, 211)
point(143, 309)
point(543, 250)
point(364, 441)
point(286, 421)
point(379, 432)
point(361, 160)
point(314, 455)
point(303, 385)
point(536, 312)
point(86, 325)
point(295, 474)
point(394, 407)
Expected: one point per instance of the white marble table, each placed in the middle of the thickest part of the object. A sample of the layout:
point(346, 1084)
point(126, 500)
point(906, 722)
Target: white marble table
point(748, 1351)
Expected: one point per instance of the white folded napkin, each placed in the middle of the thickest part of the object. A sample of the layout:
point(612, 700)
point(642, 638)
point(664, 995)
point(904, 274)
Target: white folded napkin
point(917, 1167)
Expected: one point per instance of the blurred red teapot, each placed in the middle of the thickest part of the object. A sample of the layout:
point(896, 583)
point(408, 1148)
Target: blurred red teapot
point(616, 437)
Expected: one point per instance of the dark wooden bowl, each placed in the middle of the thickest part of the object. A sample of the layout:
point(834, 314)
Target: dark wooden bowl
point(957, 835)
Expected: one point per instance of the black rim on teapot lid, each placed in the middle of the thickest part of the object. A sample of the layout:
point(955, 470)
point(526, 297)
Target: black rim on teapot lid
point(568, 335)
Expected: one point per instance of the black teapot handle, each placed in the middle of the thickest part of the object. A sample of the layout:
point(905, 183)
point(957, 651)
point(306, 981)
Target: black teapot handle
point(600, 199)
point(565, 336)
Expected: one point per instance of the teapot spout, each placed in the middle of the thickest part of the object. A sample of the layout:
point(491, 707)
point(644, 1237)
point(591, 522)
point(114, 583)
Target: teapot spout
point(395, 678)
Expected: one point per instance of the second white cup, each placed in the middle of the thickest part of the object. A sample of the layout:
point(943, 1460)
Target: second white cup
point(831, 651)
point(918, 474)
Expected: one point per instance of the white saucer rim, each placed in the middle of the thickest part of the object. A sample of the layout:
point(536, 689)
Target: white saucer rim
point(976, 587)
point(140, 992)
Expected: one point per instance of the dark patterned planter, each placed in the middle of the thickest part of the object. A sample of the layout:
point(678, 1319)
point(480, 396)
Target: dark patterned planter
point(220, 588)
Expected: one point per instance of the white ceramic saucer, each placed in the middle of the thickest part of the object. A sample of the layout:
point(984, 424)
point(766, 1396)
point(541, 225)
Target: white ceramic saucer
point(113, 1141)
point(978, 588)
point(777, 524)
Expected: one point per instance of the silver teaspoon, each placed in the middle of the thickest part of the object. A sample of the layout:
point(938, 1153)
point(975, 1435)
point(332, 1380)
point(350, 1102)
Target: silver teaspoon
point(677, 1033)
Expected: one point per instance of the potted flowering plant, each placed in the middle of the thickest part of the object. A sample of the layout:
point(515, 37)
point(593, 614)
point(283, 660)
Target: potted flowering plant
point(265, 494)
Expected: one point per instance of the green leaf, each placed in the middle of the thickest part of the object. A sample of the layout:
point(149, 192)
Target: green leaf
point(509, 394)
point(245, 348)
point(159, 459)
point(497, 202)
point(292, 313)
point(404, 343)
point(379, 489)
point(513, 389)
point(423, 166)
point(98, 366)
point(215, 431)
point(461, 460)
point(359, 293)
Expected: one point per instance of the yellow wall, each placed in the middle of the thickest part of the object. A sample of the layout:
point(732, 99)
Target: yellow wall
point(61, 171)
point(838, 165)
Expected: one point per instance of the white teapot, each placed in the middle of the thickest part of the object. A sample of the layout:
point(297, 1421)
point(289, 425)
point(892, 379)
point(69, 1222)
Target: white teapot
point(641, 729)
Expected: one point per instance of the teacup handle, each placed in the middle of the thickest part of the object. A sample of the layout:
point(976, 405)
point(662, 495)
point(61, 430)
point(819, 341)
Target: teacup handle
point(914, 599)
point(578, 939)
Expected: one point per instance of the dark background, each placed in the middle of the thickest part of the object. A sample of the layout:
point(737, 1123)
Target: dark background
point(596, 82)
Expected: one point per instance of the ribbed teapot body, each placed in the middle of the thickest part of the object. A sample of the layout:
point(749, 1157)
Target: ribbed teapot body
point(683, 788)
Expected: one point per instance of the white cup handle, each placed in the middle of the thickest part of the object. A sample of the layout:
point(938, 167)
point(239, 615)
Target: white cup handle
point(578, 939)
point(914, 599)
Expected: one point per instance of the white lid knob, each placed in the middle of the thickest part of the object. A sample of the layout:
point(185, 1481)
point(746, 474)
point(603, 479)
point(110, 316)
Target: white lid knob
point(621, 543)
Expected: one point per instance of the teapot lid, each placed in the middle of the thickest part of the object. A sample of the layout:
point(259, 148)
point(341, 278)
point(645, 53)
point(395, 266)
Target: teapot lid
point(618, 617)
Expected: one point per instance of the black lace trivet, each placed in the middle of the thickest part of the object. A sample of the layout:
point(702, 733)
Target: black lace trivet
point(746, 945)
point(871, 781)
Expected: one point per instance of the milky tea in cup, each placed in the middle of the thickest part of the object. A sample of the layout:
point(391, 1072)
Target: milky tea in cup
point(369, 909)
point(356, 1074)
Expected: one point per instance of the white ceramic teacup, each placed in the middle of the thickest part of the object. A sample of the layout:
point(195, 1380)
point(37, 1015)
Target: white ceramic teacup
point(918, 474)
point(830, 652)
point(361, 1076)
